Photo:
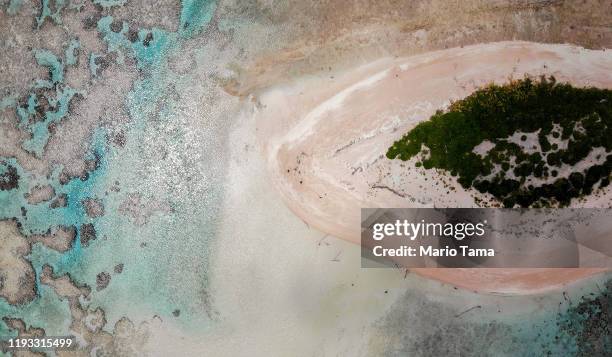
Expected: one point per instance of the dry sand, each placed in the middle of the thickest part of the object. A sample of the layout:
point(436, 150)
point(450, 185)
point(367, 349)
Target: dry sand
point(324, 139)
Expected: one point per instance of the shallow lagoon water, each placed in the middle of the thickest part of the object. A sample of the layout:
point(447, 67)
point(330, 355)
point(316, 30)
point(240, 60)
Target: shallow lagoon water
point(165, 239)
point(167, 260)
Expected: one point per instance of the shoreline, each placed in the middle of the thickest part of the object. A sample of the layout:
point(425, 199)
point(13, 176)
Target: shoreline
point(324, 140)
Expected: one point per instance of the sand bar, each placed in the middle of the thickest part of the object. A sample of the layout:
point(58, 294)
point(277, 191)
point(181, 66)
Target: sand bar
point(324, 139)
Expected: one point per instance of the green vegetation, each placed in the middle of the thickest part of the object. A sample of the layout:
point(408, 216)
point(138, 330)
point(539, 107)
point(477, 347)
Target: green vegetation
point(565, 124)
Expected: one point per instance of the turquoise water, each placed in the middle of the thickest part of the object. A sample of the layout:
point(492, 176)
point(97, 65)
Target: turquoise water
point(154, 255)
point(562, 323)
point(47, 12)
point(14, 6)
point(69, 53)
point(57, 95)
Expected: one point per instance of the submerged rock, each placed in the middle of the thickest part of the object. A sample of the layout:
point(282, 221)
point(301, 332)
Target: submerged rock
point(93, 207)
point(9, 179)
point(102, 280)
point(88, 233)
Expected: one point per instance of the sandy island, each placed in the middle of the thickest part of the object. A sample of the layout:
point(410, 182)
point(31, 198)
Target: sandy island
point(324, 140)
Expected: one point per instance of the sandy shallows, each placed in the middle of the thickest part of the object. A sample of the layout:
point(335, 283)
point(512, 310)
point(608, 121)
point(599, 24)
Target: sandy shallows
point(324, 138)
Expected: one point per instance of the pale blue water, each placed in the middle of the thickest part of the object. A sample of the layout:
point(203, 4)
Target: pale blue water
point(63, 95)
point(14, 6)
point(46, 12)
point(69, 53)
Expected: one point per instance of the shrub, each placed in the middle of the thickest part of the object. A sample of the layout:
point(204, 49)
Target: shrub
point(495, 113)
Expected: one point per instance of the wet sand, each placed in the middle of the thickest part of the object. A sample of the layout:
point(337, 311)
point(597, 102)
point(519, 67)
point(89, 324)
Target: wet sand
point(324, 139)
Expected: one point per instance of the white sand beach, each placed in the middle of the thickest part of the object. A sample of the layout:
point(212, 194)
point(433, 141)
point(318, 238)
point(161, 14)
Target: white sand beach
point(324, 139)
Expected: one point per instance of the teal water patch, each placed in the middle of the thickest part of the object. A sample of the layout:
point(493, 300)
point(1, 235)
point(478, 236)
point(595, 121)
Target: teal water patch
point(46, 12)
point(577, 326)
point(588, 321)
point(71, 52)
point(48, 102)
point(47, 311)
point(195, 15)
point(14, 7)
point(40, 218)
point(56, 67)
point(166, 259)
point(93, 66)
point(559, 323)
point(38, 127)
point(7, 102)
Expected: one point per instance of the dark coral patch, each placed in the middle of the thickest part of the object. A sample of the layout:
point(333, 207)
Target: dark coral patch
point(88, 233)
point(9, 179)
point(589, 323)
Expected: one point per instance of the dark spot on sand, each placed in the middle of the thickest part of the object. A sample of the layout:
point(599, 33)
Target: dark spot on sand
point(116, 26)
point(148, 39)
point(102, 63)
point(119, 139)
point(102, 280)
point(132, 35)
point(118, 268)
point(90, 22)
point(64, 178)
point(74, 102)
point(51, 127)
